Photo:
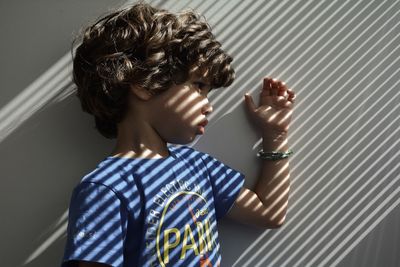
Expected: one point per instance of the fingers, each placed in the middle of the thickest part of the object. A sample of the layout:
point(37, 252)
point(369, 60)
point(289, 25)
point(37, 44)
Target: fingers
point(274, 87)
point(281, 89)
point(292, 95)
point(267, 86)
point(250, 102)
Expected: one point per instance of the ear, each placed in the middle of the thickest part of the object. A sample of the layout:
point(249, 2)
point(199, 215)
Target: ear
point(140, 92)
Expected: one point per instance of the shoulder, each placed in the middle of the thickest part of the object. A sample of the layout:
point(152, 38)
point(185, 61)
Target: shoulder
point(109, 171)
point(110, 175)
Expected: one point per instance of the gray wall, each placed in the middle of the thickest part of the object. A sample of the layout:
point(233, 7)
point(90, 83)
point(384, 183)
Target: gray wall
point(341, 58)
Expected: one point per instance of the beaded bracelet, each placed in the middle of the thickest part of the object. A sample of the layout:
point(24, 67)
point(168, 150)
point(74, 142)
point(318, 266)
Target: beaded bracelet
point(274, 155)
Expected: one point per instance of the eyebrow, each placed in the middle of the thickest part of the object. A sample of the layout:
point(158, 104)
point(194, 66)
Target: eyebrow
point(199, 77)
point(210, 87)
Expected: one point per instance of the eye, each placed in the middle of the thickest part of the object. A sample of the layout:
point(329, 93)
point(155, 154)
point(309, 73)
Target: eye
point(202, 86)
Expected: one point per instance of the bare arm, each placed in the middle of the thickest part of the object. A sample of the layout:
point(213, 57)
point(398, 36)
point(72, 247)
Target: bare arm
point(274, 181)
point(266, 206)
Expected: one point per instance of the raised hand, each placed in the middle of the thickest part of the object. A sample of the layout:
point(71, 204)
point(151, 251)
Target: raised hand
point(274, 113)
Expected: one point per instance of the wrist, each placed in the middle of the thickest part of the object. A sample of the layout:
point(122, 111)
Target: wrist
point(273, 141)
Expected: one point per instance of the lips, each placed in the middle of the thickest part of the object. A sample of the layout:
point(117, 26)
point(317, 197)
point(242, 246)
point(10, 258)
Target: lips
point(203, 123)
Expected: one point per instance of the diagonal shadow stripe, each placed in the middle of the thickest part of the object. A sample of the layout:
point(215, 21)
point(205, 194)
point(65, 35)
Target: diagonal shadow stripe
point(289, 222)
point(353, 64)
point(355, 192)
point(369, 220)
point(348, 105)
point(315, 197)
point(372, 225)
point(337, 80)
point(255, 71)
point(281, 19)
point(320, 63)
point(292, 243)
point(335, 163)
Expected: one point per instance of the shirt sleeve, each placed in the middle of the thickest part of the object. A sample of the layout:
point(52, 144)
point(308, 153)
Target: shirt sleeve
point(97, 223)
point(226, 183)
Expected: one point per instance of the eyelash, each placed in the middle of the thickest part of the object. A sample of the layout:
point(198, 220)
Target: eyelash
point(201, 85)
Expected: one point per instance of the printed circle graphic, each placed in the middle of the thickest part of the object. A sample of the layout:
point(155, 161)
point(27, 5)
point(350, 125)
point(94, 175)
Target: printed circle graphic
point(184, 228)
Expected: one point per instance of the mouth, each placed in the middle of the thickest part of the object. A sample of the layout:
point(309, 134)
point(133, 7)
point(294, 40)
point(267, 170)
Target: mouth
point(203, 123)
point(201, 127)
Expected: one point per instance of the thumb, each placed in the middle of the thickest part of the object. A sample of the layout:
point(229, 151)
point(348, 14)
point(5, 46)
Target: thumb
point(249, 102)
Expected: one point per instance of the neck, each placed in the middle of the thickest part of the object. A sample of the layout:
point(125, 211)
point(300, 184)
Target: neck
point(139, 141)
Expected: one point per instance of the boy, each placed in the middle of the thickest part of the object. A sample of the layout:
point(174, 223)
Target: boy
point(144, 74)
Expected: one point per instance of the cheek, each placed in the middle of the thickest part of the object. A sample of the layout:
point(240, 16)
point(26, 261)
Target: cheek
point(171, 124)
point(176, 126)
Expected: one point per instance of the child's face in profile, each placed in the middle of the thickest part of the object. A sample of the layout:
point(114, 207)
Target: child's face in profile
point(180, 110)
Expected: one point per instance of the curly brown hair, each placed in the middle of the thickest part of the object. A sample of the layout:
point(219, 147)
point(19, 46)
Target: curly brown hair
point(145, 46)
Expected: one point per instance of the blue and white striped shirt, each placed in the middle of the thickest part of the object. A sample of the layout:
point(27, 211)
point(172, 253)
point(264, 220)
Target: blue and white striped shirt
point(151, 212)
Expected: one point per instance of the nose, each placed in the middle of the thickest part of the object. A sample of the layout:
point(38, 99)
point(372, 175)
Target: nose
point(207, 108)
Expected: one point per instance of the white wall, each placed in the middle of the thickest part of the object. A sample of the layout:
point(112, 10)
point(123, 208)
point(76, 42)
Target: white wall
point(342, 59)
